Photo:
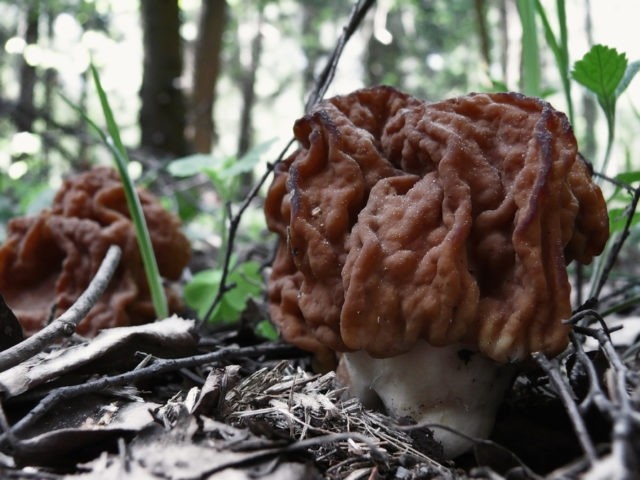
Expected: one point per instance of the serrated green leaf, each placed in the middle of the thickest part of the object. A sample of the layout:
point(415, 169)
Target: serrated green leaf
point(601, 70)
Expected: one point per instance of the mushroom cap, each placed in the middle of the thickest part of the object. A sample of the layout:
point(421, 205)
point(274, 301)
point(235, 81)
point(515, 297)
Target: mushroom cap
point(48, 260)
point(451, 222)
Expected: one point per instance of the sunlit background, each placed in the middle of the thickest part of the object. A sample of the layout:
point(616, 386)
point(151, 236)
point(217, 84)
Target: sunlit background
point(429, 48)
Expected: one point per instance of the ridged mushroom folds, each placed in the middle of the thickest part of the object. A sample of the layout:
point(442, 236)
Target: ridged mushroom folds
point(451, 222)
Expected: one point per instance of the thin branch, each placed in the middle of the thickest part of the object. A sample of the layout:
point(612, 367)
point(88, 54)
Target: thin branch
point(617, 405)
point(358, 12)
point(377, 455)
point(615, 249)
point(558, 381)
point(65, 325)
point(234, 223)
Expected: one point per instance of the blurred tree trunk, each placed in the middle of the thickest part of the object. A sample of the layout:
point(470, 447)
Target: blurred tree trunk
point(49, 84)
point(503, 41)
point(383, 50)
point(483, 31)
point(310, 41)
point(25, 111)
point(589, 108)
point(162, 114)
point(247, 85)
point(208, 50)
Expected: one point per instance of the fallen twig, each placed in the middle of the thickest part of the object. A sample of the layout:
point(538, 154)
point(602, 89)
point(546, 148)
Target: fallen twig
point(377, 455)
point(563, 390)
point(65, 325)
point(614, 251)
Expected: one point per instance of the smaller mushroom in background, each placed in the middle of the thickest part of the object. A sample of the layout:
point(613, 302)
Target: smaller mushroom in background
point(427, 244)
point(48, 260)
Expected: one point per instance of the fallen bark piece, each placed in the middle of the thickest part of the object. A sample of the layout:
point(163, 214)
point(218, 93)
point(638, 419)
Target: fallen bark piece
point(112, 347)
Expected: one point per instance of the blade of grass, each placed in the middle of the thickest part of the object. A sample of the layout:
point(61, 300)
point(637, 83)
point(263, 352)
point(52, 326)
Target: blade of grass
point(114, 143)
point(530, 51)
point(559, 48)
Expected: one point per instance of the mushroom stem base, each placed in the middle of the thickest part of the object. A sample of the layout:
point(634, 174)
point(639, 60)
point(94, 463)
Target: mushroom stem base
point(448, 386)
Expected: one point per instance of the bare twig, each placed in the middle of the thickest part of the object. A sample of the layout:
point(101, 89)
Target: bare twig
point(616, 247)
point(65, 325)
point(559, 382)
point(377, 455)
point(616, 405)
point(358, 12)
point(234, 223)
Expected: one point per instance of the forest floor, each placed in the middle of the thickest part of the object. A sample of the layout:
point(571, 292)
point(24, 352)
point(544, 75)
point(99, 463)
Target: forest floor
point(230, 405)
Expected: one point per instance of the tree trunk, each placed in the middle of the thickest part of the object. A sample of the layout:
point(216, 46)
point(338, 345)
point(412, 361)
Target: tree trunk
point(162, 114)
point(483, 31)
point(248, 99)
point(206, 71)
point(311, 43)
point(248, 89)
point(25, 111)
point(504, 41)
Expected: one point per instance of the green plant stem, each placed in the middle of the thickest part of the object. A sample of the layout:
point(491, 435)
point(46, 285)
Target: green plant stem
point(114, 143)
point(530, 51)
point(611, 133)
point(559, 48)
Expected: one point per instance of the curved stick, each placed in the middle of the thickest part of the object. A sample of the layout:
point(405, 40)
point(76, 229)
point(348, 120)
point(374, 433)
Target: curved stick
point(65, 325)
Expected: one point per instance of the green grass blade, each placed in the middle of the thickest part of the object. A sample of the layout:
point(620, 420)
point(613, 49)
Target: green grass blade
point(114, 143)
point(559, 48)
point(530, 51)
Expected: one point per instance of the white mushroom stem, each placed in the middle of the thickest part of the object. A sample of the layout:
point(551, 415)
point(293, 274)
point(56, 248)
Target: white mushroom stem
point(433, 385)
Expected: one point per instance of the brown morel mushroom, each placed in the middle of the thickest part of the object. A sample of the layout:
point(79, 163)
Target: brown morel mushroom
point(429, 243)
point(48, 260)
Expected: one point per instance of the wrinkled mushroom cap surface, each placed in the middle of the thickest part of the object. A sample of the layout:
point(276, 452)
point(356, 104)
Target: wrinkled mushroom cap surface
point(48, 260)
point(451, 222)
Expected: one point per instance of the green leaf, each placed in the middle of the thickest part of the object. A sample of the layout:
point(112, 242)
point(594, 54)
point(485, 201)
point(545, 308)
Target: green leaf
point(601, 70)
point(200, 291)
point(628, 177)
point(618, 219)
point(190, 165)
point(248, 161)
point(265, 329)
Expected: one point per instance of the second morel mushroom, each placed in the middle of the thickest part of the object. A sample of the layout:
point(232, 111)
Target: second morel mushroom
point(427, 244)
point(48, 259)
